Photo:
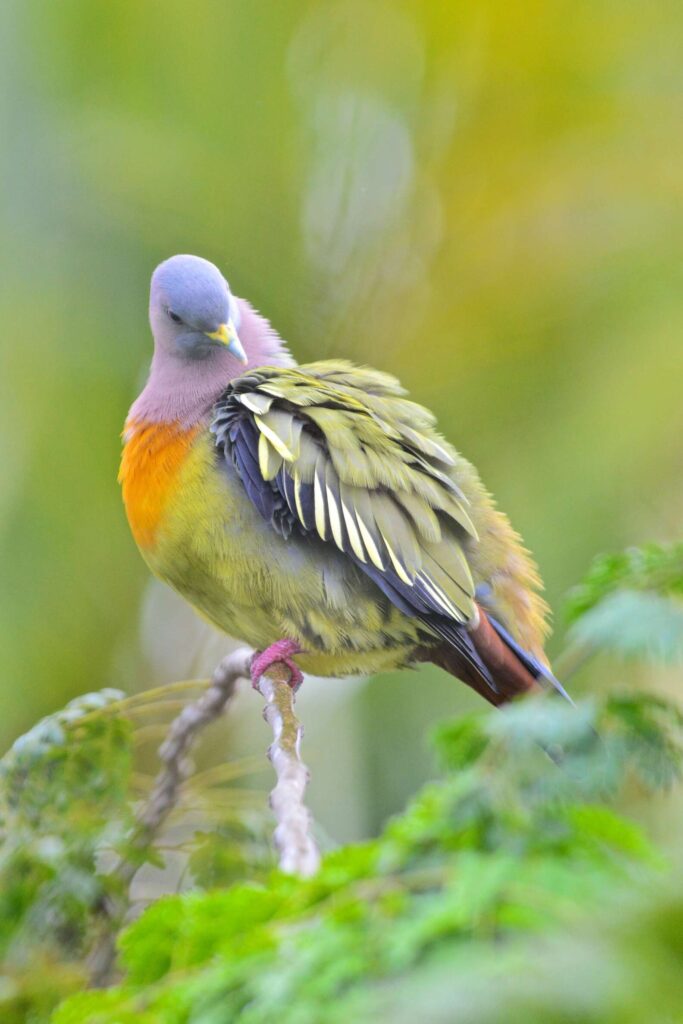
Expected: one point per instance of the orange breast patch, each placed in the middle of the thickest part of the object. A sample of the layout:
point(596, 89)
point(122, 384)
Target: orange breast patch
point(152, 456)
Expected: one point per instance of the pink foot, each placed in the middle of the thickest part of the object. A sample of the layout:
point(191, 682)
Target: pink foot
point(279, 652)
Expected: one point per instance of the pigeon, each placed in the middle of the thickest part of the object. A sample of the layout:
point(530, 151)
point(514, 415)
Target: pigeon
point(313, 511)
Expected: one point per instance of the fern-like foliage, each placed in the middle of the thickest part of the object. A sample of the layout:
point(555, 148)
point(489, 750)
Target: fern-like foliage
point(509, 841)
point(657, 568)
point(68, 793)
point(63, 802)
point(631, 603)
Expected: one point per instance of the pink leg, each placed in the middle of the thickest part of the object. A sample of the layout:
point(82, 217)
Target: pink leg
point(281, 652)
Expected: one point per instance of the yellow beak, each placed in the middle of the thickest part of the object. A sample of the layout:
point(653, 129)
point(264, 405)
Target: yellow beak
point(229, 337)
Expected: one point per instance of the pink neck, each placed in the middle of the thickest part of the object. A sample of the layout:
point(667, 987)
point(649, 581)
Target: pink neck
point(185, 391)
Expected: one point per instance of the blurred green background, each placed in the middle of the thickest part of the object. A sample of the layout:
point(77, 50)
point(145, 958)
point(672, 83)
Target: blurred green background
point(483, 198)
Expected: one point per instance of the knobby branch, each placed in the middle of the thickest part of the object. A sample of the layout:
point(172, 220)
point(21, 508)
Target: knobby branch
point(298, 853)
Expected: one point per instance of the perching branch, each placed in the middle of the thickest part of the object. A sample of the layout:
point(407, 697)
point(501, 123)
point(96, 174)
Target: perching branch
point(298, 852)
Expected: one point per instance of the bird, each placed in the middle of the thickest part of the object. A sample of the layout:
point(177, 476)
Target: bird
point(313, 511)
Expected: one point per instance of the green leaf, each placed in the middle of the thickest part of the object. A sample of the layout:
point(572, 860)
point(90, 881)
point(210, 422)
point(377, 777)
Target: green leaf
point(461, 742)
point(185, 931)
point(634, 624)
point(653, 567)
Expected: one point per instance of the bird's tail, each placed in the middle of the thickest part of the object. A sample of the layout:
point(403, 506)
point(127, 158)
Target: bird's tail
point(500, 669)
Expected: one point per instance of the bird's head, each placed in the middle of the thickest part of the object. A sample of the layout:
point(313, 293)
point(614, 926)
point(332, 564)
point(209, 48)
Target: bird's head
point(192, 310)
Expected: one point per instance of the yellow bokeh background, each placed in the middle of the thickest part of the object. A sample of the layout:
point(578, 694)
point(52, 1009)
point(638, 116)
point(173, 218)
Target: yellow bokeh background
point(484, 198)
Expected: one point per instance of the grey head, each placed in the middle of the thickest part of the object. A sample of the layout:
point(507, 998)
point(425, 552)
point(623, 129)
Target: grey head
point(192, 310)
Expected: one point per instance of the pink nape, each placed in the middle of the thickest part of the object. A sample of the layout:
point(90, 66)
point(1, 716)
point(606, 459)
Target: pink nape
point(280, 652)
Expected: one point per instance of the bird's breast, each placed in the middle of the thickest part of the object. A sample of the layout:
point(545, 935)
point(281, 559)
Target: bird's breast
point(153, 456)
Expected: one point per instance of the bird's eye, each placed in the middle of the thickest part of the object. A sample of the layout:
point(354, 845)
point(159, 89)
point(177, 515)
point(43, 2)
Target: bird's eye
point(174, 317)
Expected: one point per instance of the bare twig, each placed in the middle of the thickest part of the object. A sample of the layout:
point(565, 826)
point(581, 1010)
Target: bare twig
point(173, 752)
point(299, 854)
point(182, 733)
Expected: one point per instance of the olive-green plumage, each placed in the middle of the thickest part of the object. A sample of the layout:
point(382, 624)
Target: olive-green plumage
point(317, 503)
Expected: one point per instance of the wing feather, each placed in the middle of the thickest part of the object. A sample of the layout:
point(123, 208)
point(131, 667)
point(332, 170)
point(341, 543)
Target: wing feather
point(336, 450)
point(319, 498)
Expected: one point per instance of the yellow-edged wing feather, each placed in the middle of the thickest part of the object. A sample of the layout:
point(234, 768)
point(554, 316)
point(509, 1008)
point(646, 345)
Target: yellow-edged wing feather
point(364, 469)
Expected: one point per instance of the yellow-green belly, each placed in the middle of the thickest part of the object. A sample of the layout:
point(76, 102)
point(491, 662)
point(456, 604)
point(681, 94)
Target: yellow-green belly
point(213, 547)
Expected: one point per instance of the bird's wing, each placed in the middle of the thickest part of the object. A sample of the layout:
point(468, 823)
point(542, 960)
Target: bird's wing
point(337, 451)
